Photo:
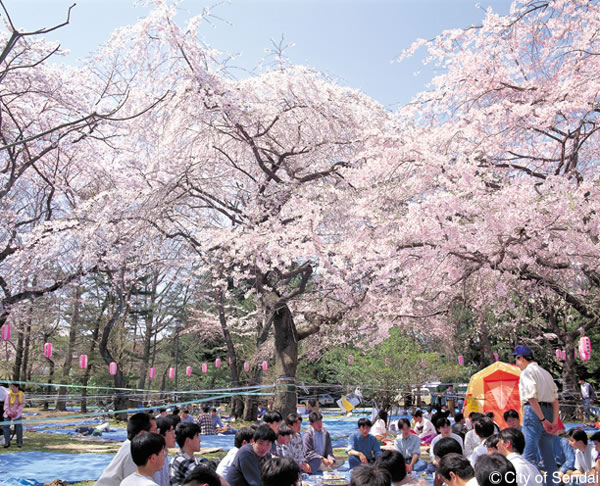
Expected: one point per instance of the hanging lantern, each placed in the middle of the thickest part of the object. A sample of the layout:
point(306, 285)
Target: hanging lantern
point(112, 368)
point(265, 366)
point(171, 373)
point(461, 360)
point(6, 332)
point(48, 350)
point(229, 361)
point(83, 361)
point(564, 355)
point(350, 359)
point(585, 348)
point(188, 371)
point(558, 354)
point(204, 367)
point(152, 373)
point(246, 366)
point(218, 363)
point(313, 355)
point(387, 361)
point(496, 356)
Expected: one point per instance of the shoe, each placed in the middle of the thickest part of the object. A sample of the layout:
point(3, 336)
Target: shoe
point(19, 445)
point(6, 446)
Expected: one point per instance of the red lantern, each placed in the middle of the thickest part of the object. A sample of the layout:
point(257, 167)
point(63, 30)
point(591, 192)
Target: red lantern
point(265, 366)
point(585, 348)
point(496, 356)
point(558, 354)
point(461, 360)
point(112, 368)
point(48, 350)
point(6, 332)
point(218, 363)
point(564, 355)
point(350, 359)
point(246, 366)
point(188, 371)
point(171, 373)
point(229, 361)
point(152, 373)
point(204, 367)
point(83, 361)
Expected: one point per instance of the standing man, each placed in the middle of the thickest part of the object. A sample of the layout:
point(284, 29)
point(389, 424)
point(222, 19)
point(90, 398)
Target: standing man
point(587, 394)
point(539, 396)
point(451, 397)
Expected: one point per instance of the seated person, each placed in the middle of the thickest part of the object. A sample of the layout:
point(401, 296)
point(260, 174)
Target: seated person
point(273, 419)
point(443, 447)
point(284, 436)
point(394, 464)
point(369, 475)
point(456, 470)
point(216, 421)
point(471, 439)
point(280, 471)
point(511, 417)
point(202, 475)
point(444, 431)
point(379, 429)
point(205, 422)
point(186, 417)
point(460, 425)
point(595, 438)
point(409, 445)
point(295, 447)
point(423, 427)
point(245, 469)
point(242, 437)
point(495, 470)
point(363, 448)
point(184, 462)
point(318, 450)
point(563, 454)
point(578, 440)
point(484, 428)
point(166, 428)
point(261, 410)
point(148, 451)
point(491, 443)
point(512, 445)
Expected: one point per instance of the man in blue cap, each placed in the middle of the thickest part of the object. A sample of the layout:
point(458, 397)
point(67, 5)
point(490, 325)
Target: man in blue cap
point(539, 395)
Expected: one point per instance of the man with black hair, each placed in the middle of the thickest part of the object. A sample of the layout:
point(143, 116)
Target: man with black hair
point(511, 444)
point(188, 440)
point(317, 444)
point(484, 428)
point(202, 475)
point(363, 447)
point(409, 445)
point(295, 447)
point(242, 437)
point(122, 464)
point(148, 452)
point(283, 439)
point(511, 417)
point(273, 419)
point(166, 428)
point(584, 462)
point(456, 470)
point(205, 422)
point(423, 426)
point(245, 469)
point(460, 426)
point(368, 475)
point(280, 471)
point(491, 443)
point(471, 439)
point(186, 418)
point(495, 470)
point(444, 446)
point(444, 430)
point(587, 396)
point(392, 462)
point(540, 410)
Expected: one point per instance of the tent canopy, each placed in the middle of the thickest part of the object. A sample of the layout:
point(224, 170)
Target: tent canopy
point(494, 389)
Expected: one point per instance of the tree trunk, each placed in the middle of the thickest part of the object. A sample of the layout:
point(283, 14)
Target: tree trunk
point(92, 348)
point(27, 344)
point(61, 403)
point(50, 381)
point(149, 325)
point(286, 361)
point(18, 356)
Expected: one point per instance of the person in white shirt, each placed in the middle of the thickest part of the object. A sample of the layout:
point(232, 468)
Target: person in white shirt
point(584, 462)
point(471, 439)
point(148, 452)
point(423, 427)
point(379, 429)
point(122, 464)
point(511, 443)
point(242, 437)
point(457, 470)
point(484, 428)
point(443, 427)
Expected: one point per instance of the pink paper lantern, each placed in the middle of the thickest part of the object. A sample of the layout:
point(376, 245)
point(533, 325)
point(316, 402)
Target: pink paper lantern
point(558, 354)
point(265, 366)
point(585, 348)
point(188, 371)
point(171, 373)
point(48, 350)
point(152, 373)
point(229, 361)
point(218, 363)
point(564, 355)
point(246, 366)
point(83, 361)
point(6, 332)
point(461, 360)
point(204, 367)
point(350, 359)
point(496, 356)
point(112, 369)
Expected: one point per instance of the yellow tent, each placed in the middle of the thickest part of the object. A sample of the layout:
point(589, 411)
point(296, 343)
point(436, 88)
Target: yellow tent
point(494, 389)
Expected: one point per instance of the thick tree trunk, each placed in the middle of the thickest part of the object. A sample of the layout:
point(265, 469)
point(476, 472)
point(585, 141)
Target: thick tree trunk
point(149, 325)
point(27, 344)
point(18, 356)
point(50, 381)
point(92, 348)
point(61, 403)
point(286, 361)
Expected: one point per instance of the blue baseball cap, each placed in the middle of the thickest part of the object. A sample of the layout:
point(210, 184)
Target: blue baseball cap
point(522, 350)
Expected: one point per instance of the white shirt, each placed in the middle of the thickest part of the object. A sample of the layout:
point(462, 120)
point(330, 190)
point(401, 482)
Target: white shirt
point(471, 442)
point(226, 462)
point(472, 482)
point(136, 479)
point(527, 473)
point(425, 427)
point(3, 394)
point(437, 438)
point(536, 382)
point(379, 428)
point(119, 468)
point(583, 460)
point(480, 450)
point(585, 390)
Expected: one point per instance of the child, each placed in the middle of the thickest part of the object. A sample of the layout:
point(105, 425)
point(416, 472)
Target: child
point(13, 408)
point(148, 453)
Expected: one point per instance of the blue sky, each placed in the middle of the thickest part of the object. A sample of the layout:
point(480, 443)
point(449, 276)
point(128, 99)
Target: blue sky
point(354, 41)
